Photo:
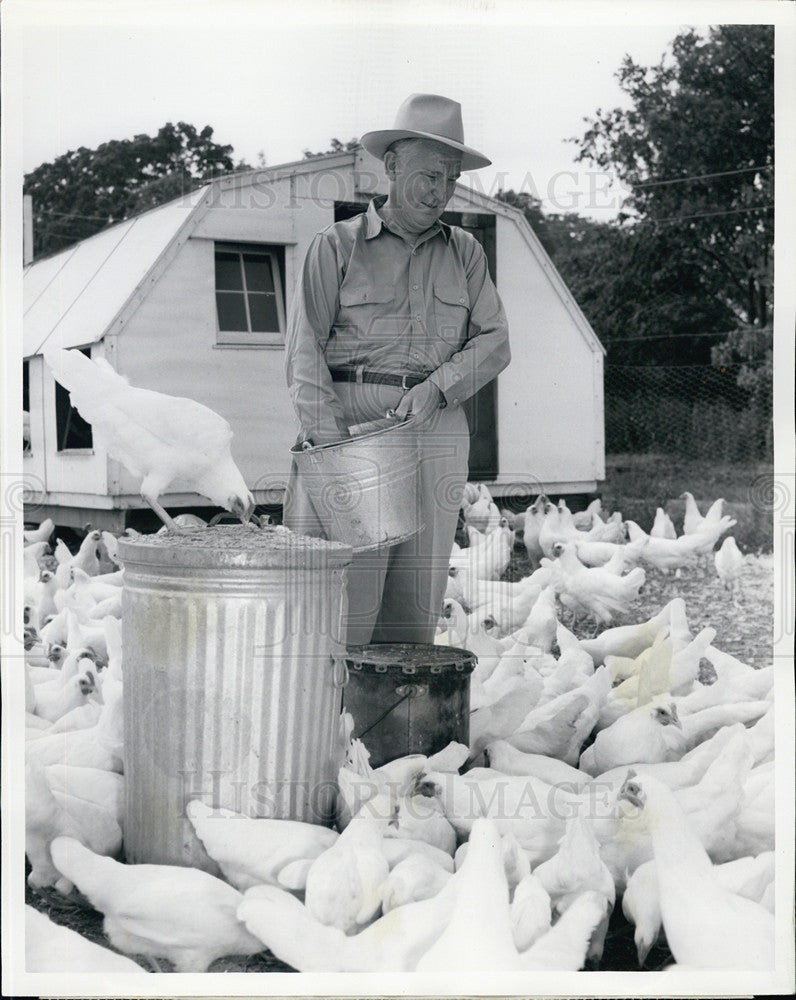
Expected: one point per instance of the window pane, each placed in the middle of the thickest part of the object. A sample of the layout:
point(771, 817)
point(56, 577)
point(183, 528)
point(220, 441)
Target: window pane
point(228, 275)
point(258, 274)
point(265, 318)
point(231, 311)
point(72, 429)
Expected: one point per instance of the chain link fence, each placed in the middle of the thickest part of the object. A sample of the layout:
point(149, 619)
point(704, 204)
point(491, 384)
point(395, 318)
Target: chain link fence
point(696, 411)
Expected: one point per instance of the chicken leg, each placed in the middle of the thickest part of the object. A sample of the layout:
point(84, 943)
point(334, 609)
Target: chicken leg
point(165, 517)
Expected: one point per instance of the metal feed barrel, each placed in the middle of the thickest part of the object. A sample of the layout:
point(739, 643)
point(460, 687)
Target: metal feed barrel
point(364, 488)
point(408, 698)
point(232, 672)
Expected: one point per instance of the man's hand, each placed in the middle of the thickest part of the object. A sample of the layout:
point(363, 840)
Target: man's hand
point(421, 402)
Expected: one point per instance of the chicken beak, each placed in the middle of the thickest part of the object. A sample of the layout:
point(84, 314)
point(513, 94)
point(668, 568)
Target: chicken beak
point(675, 718)
point(426, 787)
point(243, 509)
point(631, 791)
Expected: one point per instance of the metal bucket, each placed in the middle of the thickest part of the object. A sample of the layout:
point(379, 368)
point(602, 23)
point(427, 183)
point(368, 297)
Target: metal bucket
point(408, 698)
point(232, 680)
point(364, 489)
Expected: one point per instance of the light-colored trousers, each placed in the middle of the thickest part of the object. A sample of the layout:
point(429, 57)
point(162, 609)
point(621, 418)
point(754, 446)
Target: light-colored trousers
point(395, 594)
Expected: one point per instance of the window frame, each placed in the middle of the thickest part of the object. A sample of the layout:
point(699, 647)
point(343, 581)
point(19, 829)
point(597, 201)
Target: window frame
point(250, 338)
point(26, 403)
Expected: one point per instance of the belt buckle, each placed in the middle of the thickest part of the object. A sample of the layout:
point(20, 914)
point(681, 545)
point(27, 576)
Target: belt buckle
point(359, 374)
point(404, 386)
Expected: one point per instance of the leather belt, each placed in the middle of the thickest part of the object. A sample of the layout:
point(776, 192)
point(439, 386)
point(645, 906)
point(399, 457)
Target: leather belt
point(383, 378)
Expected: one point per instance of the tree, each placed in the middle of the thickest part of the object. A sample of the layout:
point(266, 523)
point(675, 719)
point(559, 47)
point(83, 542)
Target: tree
point(84, 190)
point(637, 289)
point(335, 146)
point(696, 150)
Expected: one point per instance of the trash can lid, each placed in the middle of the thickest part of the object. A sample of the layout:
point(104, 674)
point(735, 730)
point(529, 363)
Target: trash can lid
point(410, 658)
point(235, 545)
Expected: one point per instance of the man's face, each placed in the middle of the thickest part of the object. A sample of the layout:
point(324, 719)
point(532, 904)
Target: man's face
point(423, 176)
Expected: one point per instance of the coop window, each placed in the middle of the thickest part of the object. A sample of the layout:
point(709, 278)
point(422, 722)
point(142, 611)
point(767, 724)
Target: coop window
point(250, 300)
point(71, 429)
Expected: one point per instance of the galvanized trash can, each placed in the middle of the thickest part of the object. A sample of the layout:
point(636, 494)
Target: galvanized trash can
point(364, 488)
point(233, 671)
point(408, 697)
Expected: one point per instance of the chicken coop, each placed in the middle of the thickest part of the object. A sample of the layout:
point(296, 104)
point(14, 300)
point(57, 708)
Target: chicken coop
point(191, 299)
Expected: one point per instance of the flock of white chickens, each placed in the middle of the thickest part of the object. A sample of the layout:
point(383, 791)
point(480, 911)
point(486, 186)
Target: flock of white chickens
point(631, 769)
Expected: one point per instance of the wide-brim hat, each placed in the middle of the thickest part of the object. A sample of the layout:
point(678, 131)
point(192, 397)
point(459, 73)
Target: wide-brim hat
point(426, 116)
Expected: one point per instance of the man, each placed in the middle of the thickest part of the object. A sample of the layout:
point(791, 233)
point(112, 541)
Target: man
point(395, 311)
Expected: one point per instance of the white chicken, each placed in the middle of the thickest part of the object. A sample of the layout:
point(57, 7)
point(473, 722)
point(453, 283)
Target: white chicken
point(416, 877)
point(662, 526)
point(729, 562)
point(593, 590)
point(53, 948)
point(488, 560)
point(87, 558)
point(182, 914)
point(648, 734)
point(483, 514)
point(576, 868)
point(534, 517)
point(693, 521)
point(559, 727)
point(585, 519)
point(707, 927)
point(48, 816)
point(158, 437)
point(666, 553)
point(344, 883)
point(507, 604)
point(259, 851)
point(541, 624)
point(40, 534)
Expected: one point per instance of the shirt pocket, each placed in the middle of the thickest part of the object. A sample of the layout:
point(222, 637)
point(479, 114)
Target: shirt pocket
point(365, 295)
point(363, 310)
point(451, 313)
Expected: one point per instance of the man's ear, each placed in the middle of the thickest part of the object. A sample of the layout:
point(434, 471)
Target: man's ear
point(390, 158)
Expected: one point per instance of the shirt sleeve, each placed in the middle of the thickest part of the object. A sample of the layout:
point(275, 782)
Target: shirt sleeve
point(313, 310)
point(486, 352)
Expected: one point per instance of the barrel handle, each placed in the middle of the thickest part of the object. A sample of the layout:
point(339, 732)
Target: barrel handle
point(340, 672)
point(222, 515)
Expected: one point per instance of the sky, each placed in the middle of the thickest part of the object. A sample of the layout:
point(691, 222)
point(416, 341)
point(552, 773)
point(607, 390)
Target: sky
point(278, 82)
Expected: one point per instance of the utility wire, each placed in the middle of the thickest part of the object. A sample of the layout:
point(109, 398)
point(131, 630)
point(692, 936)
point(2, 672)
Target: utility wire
point(73, 215)
point(709, 215)
point(661, 336)
point(699, 177)
point(675, 336)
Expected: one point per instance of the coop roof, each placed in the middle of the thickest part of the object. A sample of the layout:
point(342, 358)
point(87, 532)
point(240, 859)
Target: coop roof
point(72, 297)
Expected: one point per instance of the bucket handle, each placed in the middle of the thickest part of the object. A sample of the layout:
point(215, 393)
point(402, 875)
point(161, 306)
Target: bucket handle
point(406, 691)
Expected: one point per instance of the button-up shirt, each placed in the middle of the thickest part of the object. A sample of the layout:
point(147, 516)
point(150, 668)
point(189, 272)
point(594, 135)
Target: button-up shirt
point(367, 297)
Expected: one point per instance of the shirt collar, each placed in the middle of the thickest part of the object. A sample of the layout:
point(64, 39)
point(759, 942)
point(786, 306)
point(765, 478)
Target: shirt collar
point(375, 222)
